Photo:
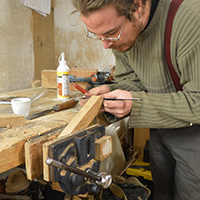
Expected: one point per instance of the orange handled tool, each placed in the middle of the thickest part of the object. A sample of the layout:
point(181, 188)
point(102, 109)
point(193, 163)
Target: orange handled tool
point(78, 87)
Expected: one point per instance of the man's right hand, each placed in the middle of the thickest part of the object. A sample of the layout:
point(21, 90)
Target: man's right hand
point(95, 92)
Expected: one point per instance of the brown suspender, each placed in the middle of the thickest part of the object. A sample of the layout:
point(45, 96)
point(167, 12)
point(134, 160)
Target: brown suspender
point(171, 14)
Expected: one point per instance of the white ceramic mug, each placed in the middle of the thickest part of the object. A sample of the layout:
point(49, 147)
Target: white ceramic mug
point(21, 106)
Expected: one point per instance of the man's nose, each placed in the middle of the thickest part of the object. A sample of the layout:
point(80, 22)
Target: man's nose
point(107, 44)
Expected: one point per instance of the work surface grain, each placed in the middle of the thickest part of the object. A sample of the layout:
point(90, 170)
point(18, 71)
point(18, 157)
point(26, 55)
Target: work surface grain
point(12, 139)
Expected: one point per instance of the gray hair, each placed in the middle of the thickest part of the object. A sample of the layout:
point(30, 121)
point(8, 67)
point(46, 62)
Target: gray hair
point(123, 7)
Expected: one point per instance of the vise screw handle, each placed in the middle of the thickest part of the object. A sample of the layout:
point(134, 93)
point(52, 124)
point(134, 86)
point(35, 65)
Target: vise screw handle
point(101, 179)
point(72, 169)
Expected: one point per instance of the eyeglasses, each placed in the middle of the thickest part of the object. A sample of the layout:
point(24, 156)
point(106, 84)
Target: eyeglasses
point(94, 36)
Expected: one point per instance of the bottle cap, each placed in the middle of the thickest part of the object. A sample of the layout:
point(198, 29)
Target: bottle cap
point(62, 60)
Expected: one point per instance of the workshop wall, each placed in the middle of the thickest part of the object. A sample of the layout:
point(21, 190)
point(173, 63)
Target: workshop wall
point(31, 42)
point(70, 37)
point(16, 46)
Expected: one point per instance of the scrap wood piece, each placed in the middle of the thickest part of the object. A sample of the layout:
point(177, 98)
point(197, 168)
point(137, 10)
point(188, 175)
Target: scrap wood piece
point(84, 117)
point(81, 120)
point(103, 147)
point(33, 153)
point(130, 162)
point(49, 78)
point(11, 119)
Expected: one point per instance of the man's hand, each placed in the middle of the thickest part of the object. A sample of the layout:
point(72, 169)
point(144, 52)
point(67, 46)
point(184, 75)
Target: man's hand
point(119, 108)
point(95, 91)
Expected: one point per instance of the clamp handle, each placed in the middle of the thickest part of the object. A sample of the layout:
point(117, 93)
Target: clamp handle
point(101, 179)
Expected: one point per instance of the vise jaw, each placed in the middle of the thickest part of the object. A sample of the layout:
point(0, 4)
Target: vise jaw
point(73, 162)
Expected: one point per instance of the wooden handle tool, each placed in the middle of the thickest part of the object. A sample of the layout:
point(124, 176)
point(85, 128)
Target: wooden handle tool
point(67, 104)
point(64, 105)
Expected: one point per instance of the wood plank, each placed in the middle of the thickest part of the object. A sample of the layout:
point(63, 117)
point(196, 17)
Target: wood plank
point(33, 153)
point(11, 119)
point(49, 78)
point(81, 120)
point(43, 42)
point(103, 148)
point(85, 116)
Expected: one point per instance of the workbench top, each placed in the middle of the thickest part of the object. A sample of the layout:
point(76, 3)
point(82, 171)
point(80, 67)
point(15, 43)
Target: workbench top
point(12, 139)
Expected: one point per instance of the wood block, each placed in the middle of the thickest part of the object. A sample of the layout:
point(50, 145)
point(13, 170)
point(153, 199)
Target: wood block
point(85, 116)
point(77, 72)
point(81, 120)
point(33, 153)
point(46, 168)
point(49, 78)
point(103, 148)
point(11, 119)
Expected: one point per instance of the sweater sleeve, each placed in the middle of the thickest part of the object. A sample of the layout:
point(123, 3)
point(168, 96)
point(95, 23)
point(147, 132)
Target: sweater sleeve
point(176, 109)
point(124, 75)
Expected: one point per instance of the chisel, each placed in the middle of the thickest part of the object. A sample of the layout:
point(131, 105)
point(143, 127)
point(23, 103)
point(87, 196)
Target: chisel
point(115, 99)
point(78, 87)
point(56, 108)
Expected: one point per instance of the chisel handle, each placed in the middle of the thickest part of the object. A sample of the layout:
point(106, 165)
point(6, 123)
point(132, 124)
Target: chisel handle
point(67, 104)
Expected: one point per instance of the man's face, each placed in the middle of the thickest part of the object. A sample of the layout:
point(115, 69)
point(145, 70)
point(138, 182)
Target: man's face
point(106, 23)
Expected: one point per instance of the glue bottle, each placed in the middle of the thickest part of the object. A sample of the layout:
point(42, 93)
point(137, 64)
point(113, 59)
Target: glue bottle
point(62, 78)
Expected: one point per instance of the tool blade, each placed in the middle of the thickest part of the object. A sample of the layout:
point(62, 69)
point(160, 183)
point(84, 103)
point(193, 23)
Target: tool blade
point(115, 99)
point(57, 107)
point(39, 114)
point(132, 99)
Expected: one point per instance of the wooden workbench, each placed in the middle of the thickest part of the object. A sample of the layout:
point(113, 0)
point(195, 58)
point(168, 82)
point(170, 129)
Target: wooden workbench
point(12, 139)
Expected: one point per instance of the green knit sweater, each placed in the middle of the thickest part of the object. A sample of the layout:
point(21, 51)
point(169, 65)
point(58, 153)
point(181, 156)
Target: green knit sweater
point(143, 70)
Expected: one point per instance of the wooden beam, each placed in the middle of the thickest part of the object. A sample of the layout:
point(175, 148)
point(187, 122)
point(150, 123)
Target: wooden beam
point(81, 120)
point(33, 153)
point(49, 78)
point(103, 148)
point(43, 42)
point(85, 116)
point(11, 119)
